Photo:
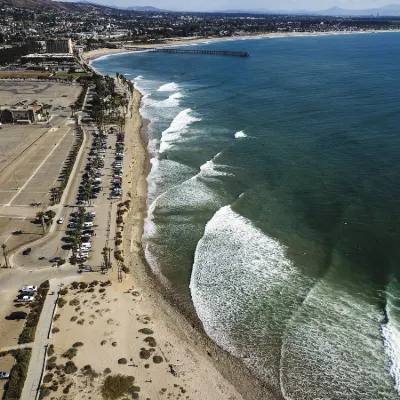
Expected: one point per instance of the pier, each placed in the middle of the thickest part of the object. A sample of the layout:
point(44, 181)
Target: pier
point(197, 51)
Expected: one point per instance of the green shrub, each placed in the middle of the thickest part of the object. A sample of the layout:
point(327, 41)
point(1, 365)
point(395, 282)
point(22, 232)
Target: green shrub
point(77, 344)
point(157, 359)
point(74, 302)
point(61, 302)
point(70, 353)
point(70, 367)
point(18, 374)
point(122, 361)
point(115, 386)
point(144, 354)
point(55, 330)
point(151, 341)
point(28, 333)
point(44, 392)
point(146, 331)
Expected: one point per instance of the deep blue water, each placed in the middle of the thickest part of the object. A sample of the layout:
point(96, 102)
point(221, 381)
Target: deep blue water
point(274, 204)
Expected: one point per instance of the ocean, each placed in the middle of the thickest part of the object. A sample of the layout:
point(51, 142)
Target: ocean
point(274, 204)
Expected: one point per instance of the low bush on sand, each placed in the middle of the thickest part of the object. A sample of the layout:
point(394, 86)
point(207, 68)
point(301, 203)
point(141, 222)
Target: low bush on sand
point(70, 353)
point(115, 386)
point(70, 367)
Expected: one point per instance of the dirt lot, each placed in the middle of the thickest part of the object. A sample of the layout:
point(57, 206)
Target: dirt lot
point(10, 326)
point(6, 364)
point(32, 156)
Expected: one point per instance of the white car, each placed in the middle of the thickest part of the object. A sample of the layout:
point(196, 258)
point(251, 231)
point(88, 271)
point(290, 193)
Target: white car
point(87, 224)
point(4, 375)
point(60, 220)
point(26, 299)
point(29, 288)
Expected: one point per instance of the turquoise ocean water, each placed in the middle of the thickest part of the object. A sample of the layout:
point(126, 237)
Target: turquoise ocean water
point(274, 204)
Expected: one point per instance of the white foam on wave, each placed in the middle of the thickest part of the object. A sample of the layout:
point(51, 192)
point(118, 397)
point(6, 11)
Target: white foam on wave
point(332, 347)
point(211, 170)
point(168, 87)
point(239, 271)
point(391, 331)
point(178, 127)
point(138, 78)
point(240, 134)
point(391, 339)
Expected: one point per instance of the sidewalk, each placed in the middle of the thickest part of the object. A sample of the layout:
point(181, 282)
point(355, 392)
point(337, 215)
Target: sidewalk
point(39, 347)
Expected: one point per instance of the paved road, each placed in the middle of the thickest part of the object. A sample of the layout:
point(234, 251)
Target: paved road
point(33, 378)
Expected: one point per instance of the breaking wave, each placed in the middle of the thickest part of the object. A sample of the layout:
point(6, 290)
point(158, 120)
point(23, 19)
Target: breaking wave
point(177, 128)
point(168, 87)
point(240, 134)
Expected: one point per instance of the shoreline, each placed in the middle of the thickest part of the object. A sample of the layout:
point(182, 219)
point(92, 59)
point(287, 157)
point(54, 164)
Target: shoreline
point(93, 55)
point(179, 319)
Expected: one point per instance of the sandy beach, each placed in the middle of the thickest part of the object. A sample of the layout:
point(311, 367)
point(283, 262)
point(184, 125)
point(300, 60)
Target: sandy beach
point(131, 328)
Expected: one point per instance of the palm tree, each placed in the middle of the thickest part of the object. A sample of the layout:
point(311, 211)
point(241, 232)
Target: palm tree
point(4, 247)
point(40, 217)
point(105, 254)
point(73, 109)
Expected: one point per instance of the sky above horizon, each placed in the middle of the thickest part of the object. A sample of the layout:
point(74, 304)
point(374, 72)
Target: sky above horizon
point(210, 5)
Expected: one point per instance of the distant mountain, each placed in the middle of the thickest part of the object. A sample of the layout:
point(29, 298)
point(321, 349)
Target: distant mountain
point(392, 10)
point(144, 9)
point(31, 4)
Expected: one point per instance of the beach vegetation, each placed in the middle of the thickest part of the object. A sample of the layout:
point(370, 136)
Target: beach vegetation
point(116, 386)
point(122, 361)
point(55, 330)
point(67, 388)
point(56, 317)
point(75, 285)
point(61, 302)
point(157, 359)
point(28, 333)
point(63, 291)
point(146, 331)
point(74, 318)
point(44, 392)
point(70, 367)
point(15, 384)
point(48, 378)
point(151, 341)
point(107, 371)
point(70, 353)
point(77, 344)
point(74, 302)
point(144, 354)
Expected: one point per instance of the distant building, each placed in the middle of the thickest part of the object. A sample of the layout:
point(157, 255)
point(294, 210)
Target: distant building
point(20, 113)
point(59, 46)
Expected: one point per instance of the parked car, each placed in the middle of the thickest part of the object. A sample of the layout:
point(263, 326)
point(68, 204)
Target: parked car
point(60, 220)
point(29, 288)
point(87, 224)
point(25, 299)
point(4, 375)
point(26, 251)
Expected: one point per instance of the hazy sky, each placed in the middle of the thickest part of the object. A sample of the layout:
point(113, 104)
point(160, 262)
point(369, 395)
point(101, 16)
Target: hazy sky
point(209, 5)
